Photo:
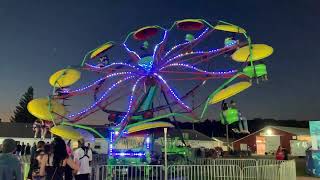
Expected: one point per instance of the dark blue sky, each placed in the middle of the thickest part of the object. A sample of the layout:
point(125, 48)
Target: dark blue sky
point(39, 37)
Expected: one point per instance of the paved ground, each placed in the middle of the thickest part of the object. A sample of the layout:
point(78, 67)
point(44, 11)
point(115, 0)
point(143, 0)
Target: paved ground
point(301, 167)
point(307, 178)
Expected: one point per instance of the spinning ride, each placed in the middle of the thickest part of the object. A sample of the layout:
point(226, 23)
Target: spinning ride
point(142, 83)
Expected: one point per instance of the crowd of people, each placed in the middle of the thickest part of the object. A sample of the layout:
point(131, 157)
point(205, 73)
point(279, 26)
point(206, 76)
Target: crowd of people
point(22, 149)
point(48, 161)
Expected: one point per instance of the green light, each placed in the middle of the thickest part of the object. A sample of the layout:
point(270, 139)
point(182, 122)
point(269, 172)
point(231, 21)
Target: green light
point(189, 37)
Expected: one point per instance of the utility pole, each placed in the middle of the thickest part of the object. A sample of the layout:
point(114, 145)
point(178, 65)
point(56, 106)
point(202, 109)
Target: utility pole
point(227, 132)
point(165, 130)
point(192, 109)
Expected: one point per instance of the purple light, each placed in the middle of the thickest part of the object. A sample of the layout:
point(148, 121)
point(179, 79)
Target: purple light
point(129, 51)
point(113, 64)
point(131, 99)
point(155, 50)
point(172, 92)
point(179, 45)
point(101, 98)
point(192, 53)
point(197, 69)
point(97, 81)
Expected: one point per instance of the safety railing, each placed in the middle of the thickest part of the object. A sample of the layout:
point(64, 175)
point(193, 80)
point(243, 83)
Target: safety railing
point(279, 170)
point(128, 172)
point(226, 169)
point(238, 162)
point(266, 162)
point(204, 172)
point(288, 170)
point(99, 159)
point(268, 172)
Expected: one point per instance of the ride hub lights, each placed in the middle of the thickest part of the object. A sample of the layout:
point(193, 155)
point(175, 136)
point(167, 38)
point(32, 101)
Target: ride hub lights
point(129, 154)
point(146, 63)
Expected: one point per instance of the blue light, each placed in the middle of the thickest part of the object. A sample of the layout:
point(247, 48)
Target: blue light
point(148, 142)
point(146, 63)
point(101, 98)
point(198, 69)
point(129, 154)
point(172, 92)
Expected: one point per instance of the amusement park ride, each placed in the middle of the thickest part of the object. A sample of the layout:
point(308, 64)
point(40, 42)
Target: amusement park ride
point(143, 83)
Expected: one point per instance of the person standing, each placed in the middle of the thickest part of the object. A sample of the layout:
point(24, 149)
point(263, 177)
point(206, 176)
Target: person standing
point(23, 148)
point(36, 128)
point(33, 149)
point(43, 130)
point(18, 149)
point(285, 152)
point(83, 157)
point(10, 166)
point(68, 170)
point(279, 154)
point(52, 164)
point(34, 164)
point(28, 150)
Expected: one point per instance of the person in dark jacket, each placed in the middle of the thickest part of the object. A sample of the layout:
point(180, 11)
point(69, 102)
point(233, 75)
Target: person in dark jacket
point(23, 148)
point(28, 149)
point(34, 165)
point(285, 152)
point(33, 149)
point(18, 149)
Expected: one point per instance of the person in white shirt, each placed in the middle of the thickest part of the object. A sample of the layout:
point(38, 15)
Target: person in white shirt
point(83, 157)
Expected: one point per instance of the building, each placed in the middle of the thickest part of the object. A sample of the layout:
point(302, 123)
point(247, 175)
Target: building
point(222, 142)
point(193, 138)
point(22, 132)
point(268, 139)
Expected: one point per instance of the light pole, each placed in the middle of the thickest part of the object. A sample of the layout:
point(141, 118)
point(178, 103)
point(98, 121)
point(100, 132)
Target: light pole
point(165, 130)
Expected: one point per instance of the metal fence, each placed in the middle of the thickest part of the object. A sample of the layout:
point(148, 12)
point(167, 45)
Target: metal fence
point(124, 172)
point(288, 170)
point(204, 172)
point(265, 162)
point(99, 159)
point(236, 162)
point(214, 169)
point(266, 172)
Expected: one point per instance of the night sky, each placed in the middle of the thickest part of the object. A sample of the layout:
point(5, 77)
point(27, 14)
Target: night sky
point(38, 38)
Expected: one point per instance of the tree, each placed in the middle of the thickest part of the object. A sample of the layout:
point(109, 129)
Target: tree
point(21, 114)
